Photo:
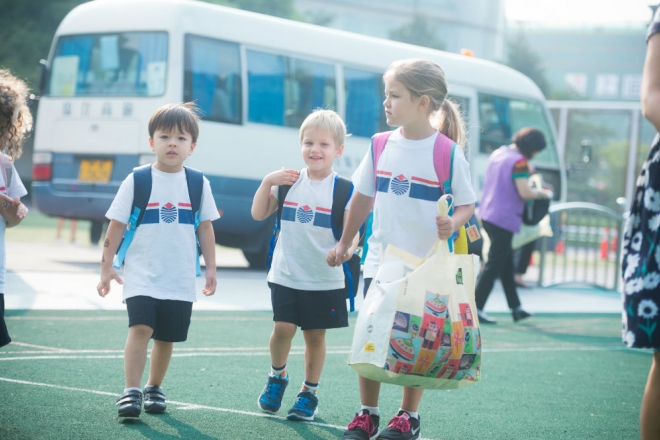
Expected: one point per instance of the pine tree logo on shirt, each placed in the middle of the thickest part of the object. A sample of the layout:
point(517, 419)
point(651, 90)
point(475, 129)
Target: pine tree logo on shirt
point(305, 214)
point(168, 213)
point(400, 185)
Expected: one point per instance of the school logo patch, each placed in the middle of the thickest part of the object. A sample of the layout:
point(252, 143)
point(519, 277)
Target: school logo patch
point(168, 213)
point(399, 185)
point(305, 214)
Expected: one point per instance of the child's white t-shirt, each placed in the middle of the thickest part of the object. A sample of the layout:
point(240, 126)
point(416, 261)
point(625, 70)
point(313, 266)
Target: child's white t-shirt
point(15, 188)
point(161, 260)
point(408, 190)
point(306, 237)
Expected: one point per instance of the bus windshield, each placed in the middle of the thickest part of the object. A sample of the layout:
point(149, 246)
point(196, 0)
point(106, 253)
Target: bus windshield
point(501, 117)
point(113, 64)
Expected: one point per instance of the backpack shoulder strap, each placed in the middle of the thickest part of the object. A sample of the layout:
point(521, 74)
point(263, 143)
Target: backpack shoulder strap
point(341, 193)
point(443, 160)
point(195, 181)
point(141, 194)
point(378, 142)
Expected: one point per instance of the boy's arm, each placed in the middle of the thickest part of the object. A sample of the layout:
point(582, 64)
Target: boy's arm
point(447, 225)
point(331, 257)
point(360, 208)
point(264, 204)
point(113, 238)
point(207, 243)
point(12, 210)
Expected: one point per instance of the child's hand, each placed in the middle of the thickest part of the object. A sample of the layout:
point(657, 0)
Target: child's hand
point(108, 273)
point(340, 254)
point(445, 227)
point(282, 177)
point(211, 283)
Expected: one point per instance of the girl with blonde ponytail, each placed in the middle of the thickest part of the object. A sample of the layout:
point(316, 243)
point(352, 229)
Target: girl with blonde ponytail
point(405, 212)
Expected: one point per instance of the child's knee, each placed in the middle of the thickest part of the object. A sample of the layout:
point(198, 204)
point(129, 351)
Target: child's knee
point(140, 331)
point(284, 330)
point(314, 337)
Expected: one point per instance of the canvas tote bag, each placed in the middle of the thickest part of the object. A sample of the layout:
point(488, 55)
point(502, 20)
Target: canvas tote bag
point(418, 325)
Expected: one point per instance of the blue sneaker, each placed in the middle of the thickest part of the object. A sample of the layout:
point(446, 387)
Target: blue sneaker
point(270, 399)
point(305, 408)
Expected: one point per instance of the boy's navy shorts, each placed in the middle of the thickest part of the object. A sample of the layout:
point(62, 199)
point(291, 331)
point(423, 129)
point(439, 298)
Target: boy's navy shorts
point(309, 309)
point(169, 318)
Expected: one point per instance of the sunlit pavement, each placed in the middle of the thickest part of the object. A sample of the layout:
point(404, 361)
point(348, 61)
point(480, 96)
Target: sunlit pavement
point(64, 277)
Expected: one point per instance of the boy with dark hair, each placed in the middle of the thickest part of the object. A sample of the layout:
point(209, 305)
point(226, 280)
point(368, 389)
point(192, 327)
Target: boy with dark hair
point(160, 273)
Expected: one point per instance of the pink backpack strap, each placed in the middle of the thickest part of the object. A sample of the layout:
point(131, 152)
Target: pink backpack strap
point(378, 142)
point(443, 158)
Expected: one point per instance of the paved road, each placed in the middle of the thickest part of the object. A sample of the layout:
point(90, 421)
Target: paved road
point(64, 277)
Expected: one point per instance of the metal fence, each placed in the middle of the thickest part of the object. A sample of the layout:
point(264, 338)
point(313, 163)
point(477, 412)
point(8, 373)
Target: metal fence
point(585, 247)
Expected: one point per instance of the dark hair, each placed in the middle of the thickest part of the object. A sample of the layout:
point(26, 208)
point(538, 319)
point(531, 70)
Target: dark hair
point(529, 140)
point(182, 115)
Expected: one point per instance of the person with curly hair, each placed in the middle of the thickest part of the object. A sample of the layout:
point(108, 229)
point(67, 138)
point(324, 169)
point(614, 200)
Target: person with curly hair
point(15, 122)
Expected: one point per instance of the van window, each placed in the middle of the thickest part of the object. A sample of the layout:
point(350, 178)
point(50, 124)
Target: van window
point(212, 78)
point(117, 64)
point(365, 94)
point(284, 90)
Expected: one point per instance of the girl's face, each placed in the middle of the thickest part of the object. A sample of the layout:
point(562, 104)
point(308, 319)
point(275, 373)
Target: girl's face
point(401, 108)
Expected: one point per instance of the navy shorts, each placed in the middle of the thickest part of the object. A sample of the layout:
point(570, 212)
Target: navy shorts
point(170, 319)
point(309, 309)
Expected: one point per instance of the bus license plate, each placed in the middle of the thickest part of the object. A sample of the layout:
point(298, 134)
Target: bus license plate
point(95, 170)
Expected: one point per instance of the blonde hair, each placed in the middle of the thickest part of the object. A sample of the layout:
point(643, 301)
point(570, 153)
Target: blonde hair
point(15, 116)
point(326, 120)
point(182, 115)
point(423, 77)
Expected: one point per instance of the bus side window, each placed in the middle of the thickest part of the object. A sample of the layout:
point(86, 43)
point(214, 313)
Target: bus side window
point(212, 78)
point(284, 90)
point(364, 102)
point(494, 121)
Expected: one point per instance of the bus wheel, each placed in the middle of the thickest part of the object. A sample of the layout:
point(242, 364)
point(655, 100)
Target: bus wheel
point(257, 260)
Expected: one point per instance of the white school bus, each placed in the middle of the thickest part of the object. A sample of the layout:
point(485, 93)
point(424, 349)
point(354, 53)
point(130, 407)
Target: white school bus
point(255, 78)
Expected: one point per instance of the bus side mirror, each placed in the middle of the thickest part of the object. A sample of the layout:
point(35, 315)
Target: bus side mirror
point(43, 76)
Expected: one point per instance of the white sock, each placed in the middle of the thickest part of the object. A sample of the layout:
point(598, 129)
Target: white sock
point(412, 414)
point(126, 390)
point(372, 409)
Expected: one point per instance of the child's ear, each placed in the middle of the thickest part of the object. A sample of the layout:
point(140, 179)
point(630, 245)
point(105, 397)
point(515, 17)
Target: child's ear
point(424, 102)
point(151, 144)
point(192, 148)
point(340, 150)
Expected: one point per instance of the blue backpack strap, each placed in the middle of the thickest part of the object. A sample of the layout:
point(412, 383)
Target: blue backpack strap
point(341, 194)
point(195, 182)
point(141, 194)
point(282, 191)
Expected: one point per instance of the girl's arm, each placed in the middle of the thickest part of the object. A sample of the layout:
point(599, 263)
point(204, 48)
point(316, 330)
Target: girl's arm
point(447, 225)
point(113, 238)
point(12, 210)
point(360, 208)
point(207, 243)
point(263, 203)
point(651, 82)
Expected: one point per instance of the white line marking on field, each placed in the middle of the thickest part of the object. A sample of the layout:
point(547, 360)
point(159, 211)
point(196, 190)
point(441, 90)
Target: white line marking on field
point(181, 405)
point(43, 347)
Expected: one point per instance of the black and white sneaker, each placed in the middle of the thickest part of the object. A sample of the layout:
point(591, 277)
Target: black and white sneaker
point(154, 400)
point(401, 427)
point(130, 404)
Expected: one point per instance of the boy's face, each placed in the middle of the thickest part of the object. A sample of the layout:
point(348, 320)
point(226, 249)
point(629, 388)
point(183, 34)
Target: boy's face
point(319, 150)
point(172, 148)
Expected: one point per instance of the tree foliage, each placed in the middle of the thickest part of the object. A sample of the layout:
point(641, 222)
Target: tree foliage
point(27, 28)
point(521, 57)
point(419, 31)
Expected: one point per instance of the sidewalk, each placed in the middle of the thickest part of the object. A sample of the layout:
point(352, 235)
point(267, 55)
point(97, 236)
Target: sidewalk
point(50, 276)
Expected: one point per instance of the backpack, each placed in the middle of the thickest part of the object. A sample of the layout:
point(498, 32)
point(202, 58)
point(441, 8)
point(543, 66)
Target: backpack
point(443, 159)
point(141, 194)
point(341, 193)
